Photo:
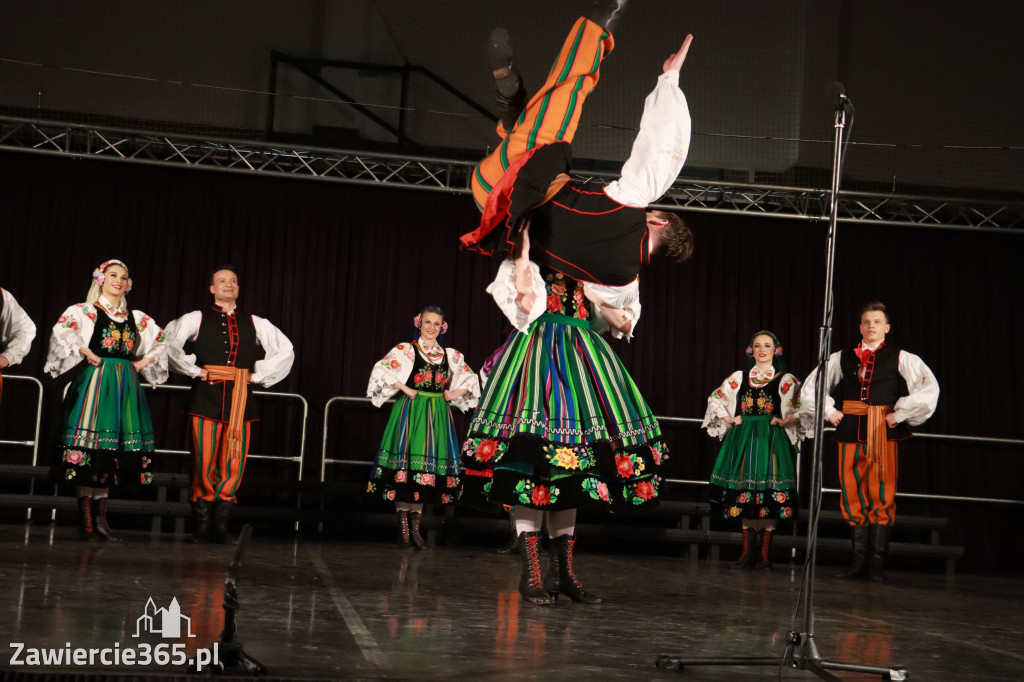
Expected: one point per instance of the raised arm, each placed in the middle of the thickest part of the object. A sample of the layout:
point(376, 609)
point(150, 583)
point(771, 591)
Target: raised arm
point(663, 142)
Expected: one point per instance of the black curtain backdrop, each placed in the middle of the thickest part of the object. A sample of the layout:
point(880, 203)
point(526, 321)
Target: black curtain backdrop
point(342, 270)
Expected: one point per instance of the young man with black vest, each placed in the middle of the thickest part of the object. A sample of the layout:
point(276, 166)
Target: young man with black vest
point(884, 391)
point(231, 351)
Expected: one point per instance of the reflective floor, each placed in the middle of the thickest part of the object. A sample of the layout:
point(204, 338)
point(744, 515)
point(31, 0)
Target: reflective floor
point(372, 611)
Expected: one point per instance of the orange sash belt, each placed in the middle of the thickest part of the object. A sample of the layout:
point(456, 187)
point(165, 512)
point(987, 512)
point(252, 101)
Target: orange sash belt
point(236, 420)
point(876, 435)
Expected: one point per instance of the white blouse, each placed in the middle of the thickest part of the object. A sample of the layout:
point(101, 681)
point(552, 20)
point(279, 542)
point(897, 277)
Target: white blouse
point(74, 330)
point(16, 329)
point(280, 354)
point(396, 366)
point(722, 403)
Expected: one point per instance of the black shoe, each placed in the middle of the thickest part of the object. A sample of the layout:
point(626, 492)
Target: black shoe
point(221, 511)
point(748, 557)
point(86, 520)
point(859, 566)
point(879, 550)
point(99, 515)
point(512, 547)
point(404, 533)
point(531, 582)
point(201, 521)
point(414, 530)
point(510, 94)
point(566, 582)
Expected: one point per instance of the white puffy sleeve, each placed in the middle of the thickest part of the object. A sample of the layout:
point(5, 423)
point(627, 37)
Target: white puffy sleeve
point(178, 333)
point(16, 329)
point(72, 331)
point(625, 297)
point(280, 355)
point(463, 378)
point(503, 290)
point(393, 368)
point(789, 391)
point(660, 148)
point(809, 394)
point(721, 404)
point(152, 344)
point(920, 404)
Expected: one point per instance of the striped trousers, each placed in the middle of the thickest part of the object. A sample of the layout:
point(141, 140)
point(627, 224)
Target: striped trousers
point(554, 112)
point(215, 476)
point(868, 493)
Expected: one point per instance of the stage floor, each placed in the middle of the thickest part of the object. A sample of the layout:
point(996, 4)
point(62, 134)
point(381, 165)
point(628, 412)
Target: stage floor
point(370, 611)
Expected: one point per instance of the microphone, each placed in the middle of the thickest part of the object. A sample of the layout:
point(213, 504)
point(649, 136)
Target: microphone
point(836, 92)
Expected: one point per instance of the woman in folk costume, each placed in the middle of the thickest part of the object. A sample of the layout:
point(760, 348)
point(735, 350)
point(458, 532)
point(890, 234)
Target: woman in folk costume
point(561, 421)
point(418, 457)
point(753, 479)
point(107, 434)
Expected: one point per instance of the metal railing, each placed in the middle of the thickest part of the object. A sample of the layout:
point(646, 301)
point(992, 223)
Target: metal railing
point(325, 460)
point(34, 443)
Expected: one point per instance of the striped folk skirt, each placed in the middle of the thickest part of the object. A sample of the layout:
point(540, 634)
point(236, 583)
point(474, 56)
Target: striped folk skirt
point(107, 432)
point(753, 477)
point(561, 423)
point(418, 457)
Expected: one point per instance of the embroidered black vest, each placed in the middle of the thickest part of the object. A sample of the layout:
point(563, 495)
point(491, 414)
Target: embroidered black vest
point(426, 376)
point(762, 400)
point(113, 339)
point(223, 340)
point(882, 385)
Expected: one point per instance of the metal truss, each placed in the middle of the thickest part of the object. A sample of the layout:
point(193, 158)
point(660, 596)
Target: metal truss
point(452, 176)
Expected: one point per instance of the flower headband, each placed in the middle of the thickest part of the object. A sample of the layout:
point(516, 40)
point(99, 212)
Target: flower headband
point(764, 332)
point(99, 277)
point(418, 320)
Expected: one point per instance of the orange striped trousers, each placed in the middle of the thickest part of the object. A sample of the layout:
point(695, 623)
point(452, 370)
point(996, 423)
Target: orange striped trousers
point(554, 112)
point(868, 493)
point(215, 476)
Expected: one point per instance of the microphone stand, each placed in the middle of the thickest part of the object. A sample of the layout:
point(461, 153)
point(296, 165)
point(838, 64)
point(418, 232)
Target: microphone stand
point(801, 651)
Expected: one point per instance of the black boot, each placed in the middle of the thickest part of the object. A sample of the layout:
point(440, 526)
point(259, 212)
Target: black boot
point(86, 522)
point(221, 511)
point(201, 521)
point(766, 548)
point(508, 84)
point(414, 530)
point(566, 581)
point(606, 13)
point(859, 565)
point(748, 557)
point(404, 540)
point(531, 583)
point(512, 547)
point(879, 548)
point(99, 515)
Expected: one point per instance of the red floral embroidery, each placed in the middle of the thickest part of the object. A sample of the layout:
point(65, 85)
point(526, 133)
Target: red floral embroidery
point(624, 465)
point(733, 383)
point(558, 288)
point(554, 303)
point(540, 495)
point(418, 378)
point(486, 451)
point(644, 490)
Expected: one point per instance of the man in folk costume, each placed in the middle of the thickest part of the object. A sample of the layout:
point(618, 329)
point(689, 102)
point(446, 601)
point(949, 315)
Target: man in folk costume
point(16, 333)
point(585, 230)
point(224, 364)
point(884, 391)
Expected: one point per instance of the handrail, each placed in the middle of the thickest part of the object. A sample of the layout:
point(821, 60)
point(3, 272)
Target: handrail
point(325, 460)
point(34, 443)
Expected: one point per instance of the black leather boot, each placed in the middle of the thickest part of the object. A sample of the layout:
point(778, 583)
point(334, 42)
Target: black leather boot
point(404, 540)
point(565, 580)
point(201, 521)
point(86, 522)
point(512, 547)
point(859, 566)
point(99, 515)
point(606, 13)
point(531, 583)
point(221, 511)
point(748, 557)
point(508, 84)
point(414, 530)
point(766, 549)
point(879, 549)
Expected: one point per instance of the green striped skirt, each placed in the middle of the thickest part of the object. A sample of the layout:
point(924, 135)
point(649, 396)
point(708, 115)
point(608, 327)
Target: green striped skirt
point(418, 457)
point(107, 429)
point(753, 477)
point(561, 423)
